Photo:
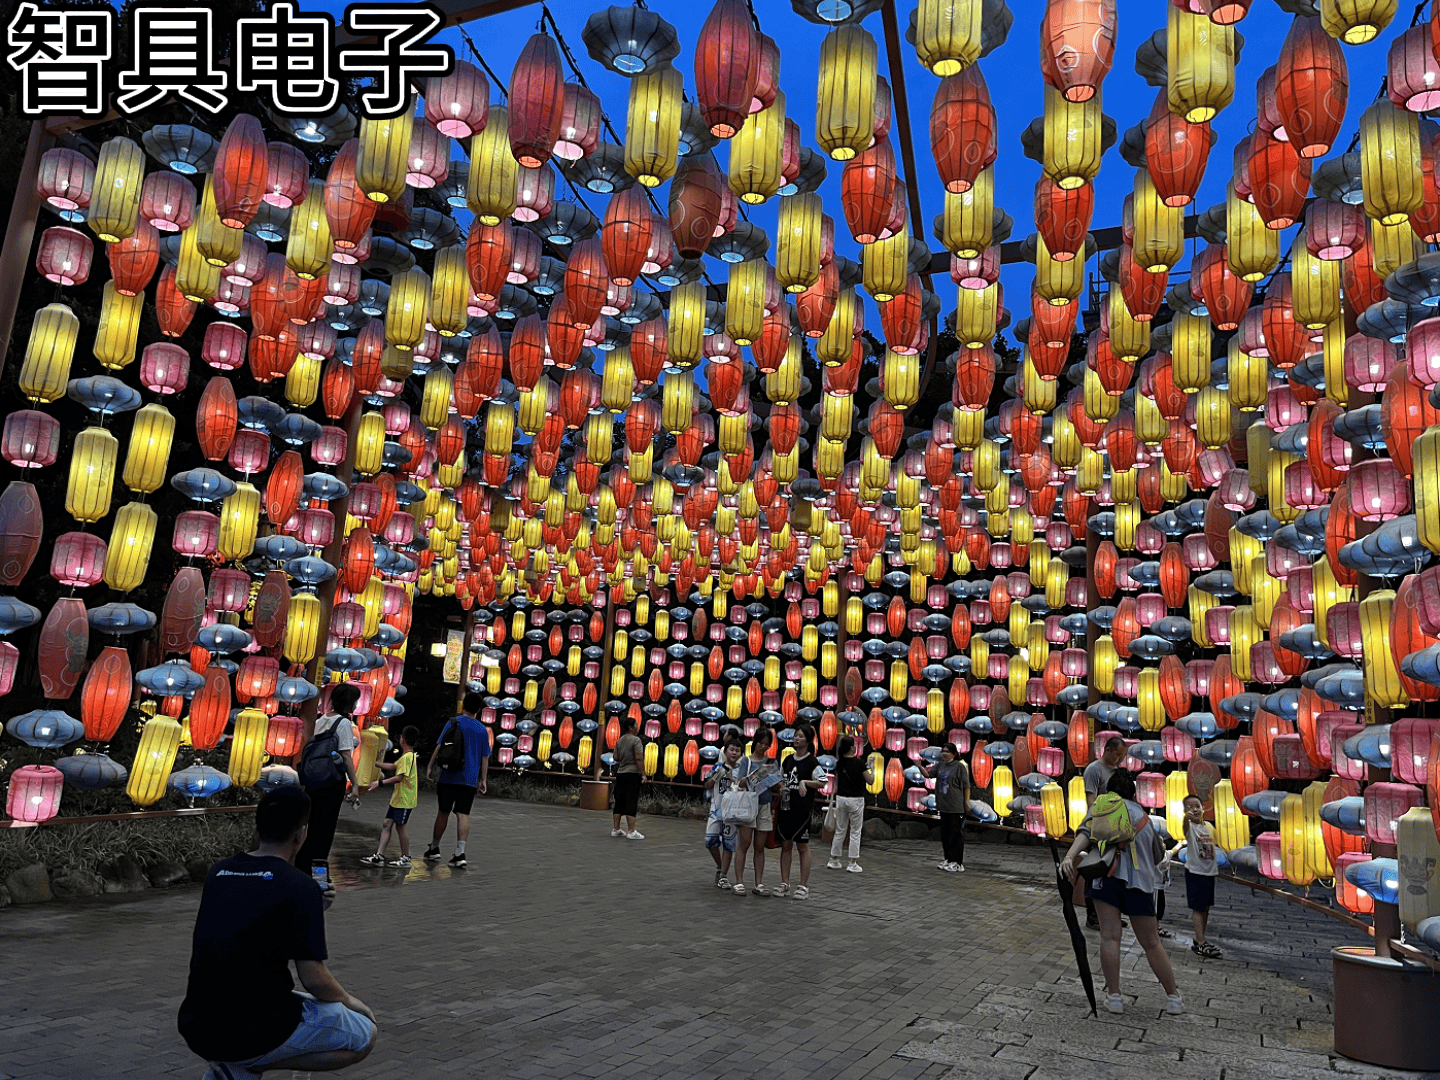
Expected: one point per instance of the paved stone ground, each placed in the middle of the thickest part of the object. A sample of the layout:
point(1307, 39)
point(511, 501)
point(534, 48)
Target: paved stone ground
point(564, 953)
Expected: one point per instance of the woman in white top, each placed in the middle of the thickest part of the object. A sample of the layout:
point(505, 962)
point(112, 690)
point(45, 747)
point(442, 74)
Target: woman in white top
point(1130, 890)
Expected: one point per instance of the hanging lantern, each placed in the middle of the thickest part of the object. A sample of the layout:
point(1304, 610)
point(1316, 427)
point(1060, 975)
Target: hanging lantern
point(1311, 87)
point(652, 129)
point(1200, 64)
point(380, 161)
point(494, 173)
point(1077, 45)
point(1390, 152)
point(458, 104)
point(115, 204)
point(757, 154)
point(845, 109)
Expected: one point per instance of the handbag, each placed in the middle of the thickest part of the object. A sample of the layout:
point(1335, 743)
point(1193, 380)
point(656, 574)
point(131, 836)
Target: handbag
point(1096, 864)
point(739, 807)
point(827, 830)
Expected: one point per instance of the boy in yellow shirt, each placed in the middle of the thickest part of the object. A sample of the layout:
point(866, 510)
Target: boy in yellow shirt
point(405, 780)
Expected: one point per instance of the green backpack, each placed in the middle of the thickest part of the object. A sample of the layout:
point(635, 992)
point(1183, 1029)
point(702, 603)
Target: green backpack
point(1110, 824)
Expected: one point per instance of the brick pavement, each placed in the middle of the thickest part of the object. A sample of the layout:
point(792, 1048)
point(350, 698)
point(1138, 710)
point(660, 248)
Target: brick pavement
point(565, 953)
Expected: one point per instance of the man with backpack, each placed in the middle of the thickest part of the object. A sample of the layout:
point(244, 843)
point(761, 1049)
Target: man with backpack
point(463, 757)
point(327, 773)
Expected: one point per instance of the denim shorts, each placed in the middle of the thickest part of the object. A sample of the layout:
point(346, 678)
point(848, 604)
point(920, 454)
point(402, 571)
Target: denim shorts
point(324, 1025)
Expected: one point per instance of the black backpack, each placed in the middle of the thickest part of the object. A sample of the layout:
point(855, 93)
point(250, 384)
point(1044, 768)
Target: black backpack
point(451, 757)
point(320, 766)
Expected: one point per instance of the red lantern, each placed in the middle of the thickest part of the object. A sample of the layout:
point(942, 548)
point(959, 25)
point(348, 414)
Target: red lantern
point(536, 101)
point(241, 171)
point(1279, 181)
point(216, 418)
point(348, 210)
point(626, 234)
point(727, 66)
point(1176, 152)
point(962, 129)
point(1312, 85)
point(105, 697)
point(1077, 45)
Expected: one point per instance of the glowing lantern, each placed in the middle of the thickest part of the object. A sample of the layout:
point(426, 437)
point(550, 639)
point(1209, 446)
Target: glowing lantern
point(154, 758)
point(845, 109)
point(115, 204)
point(1311, 87)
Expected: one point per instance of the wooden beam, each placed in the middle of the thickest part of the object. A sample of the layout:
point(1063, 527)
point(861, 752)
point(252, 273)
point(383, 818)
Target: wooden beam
point(20, 233)
point(895, 58)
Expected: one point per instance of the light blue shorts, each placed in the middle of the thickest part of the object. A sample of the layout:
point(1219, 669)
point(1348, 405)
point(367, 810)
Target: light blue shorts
point(324, 1025)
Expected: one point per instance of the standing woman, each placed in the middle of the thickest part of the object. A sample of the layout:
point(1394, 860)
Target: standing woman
point(852, 773)
point(952, 799)
point(326, 781)
point(801, 777)
point(1129, 890)
point(629, 751)
point(756, 772)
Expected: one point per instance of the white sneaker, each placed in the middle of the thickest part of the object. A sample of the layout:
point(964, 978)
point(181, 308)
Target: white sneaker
point(636, 835)
point(1174, 1004)
point(959, 867)
point(617, 832)
point(854, 868)
point(943, 865)
point(834, 864)
point(1114, 1003)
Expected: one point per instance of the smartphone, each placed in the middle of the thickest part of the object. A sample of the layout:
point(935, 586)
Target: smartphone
point(322, 874)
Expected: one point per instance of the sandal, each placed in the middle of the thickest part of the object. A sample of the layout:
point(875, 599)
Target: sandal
point(782, 890)
point(739, 888)
point(723, 883)
point(802, 892)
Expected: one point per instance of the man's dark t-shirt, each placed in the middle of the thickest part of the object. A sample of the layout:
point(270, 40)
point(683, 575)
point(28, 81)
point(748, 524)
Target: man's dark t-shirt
point(256, 915)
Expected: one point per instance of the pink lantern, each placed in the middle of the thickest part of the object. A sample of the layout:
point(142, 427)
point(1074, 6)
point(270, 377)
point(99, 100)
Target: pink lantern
point(1176, 745)
point(330, 449)
point(167, 201)
point(164, 368)
point(1234, 492)
point(1127, 682)
point(347, 620)
point(397, 418)
point(64, 256)
point(287, 177)
point(1035, 819)
point(1301, 491)
point(400, 530)
point(428, 162)
point(248, 268)
point(1149, 609)
point(1427, 599)
point(1196, 554)
point(1149, 538)
point(534, 193)
point(223, 347)
point(230, 298)
point(1291, 761)
point(1000, 555)
point(1212, 466)
point(1073, 663)
point(34, 793)
point(197, 534)
point(1385, 805)
point(1197, 677)
point(1279, 561)
point(317, 340)
point(1050, 761)
point(1282, 407)
point(1334, 230)
point(458, 104)
point(392, 602)
point(1300, 587)
point(1413, 75)
point(1377, 490)
point(78, 559)
point(65, 180)
point(250, 452)
point(365, 501)
point(1368, 363)
point(343, 285)
point(1422, 352)
point(1150, 790)
point(9, 661)
point(960, 739)
point(999, 666)
point(1342, 763)
point(1217, 623)
point(317, 527)
point(1410, 741)
point(1265, 669)
point(31, 439)
point(229, 589)
point(1076, 592)
point(1342, 628)
point(1267, 848)
point(1055, 633)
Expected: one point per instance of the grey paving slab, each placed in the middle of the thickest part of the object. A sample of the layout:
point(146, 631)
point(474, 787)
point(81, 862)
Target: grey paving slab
point(562, 952)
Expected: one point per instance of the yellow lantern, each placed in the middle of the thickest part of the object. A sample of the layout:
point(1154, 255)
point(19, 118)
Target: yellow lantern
point(1392, 246)
point(1017, 672)
point(672, 761)
point(967, 221)
point(247, 747)
point(1056, 579)
point(585, 750)
point(1248, 379)
point(118, 329)
point(734, 702)
point(935, 711)
point(1212, 416)
point(1052, 802)
point(617, 382)
point(1071, 139)
point(1390, 153)
point(1151, 427)
point(449, 291)
point(1177, 788)
point(132, 538)
point(1190, 351)
point(902, 378)
point(1041, 395)
point(1066, 449)
point(196, 279)
point(302, 383)
point(876, 765)
point(1316, 286)
point(1107, 662)
point(1152, 710)
point(1200, 65)
point(757, 153)
point(1382, 674)
point(845, 98)
point(535, 405)
point(217, 243)
point(1356, 21)
point(92, 475)
point(370, 444)
point(384, 147)
point(1129, 339)
point(885, 266)
point(1232, 828)
point(1076, 804)
point(948, 35)
point(1316, 856)
point(308, 246)
point(652, 127)
point(677, 401)
point(149, 451)
point(1418, 854)
point(687, 323)
point(838, 339)
point(1252, 250)
point(302, 627)
point(45, 371)
point(1293, 853)
point(797, 241)
point(494, 173)
point(1002, 789)
point(1100, 404)
point(408, 310)
point(1427, 487)
point(745, 300)
point(1159, 229)
point(1057, 282)
point(979, 652)
point(372, 748)
point(239, 518)
point(159, 742)
point(1244, 633)
point(115, 202)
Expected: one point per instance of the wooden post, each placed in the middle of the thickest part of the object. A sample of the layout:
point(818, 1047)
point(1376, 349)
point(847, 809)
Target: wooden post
point(20, 233)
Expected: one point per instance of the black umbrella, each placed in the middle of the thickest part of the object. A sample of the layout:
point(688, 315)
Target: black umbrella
point(1077, 936)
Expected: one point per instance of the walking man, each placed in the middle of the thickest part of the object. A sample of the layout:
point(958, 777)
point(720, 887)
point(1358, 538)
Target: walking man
point(463, 755)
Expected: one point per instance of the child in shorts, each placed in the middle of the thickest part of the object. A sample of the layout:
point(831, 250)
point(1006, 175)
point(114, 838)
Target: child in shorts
point(1201, 870)
point(721, 838)
point(405, 781)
